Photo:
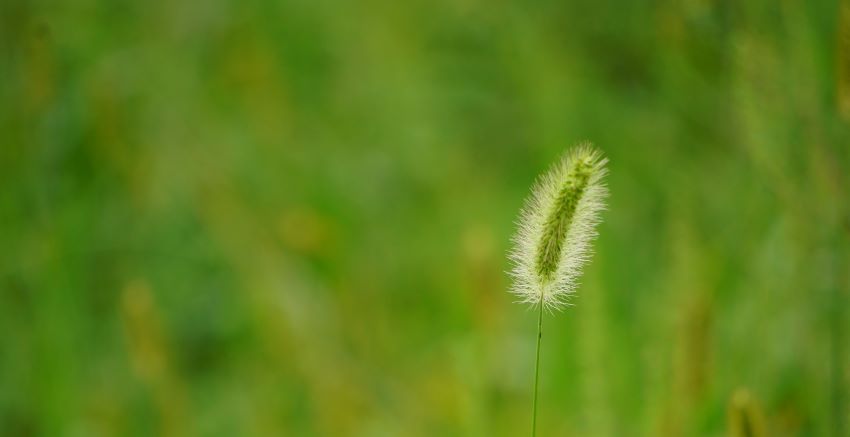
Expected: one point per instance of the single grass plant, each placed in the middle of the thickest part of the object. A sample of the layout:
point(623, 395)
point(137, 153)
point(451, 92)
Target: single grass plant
point(556, 228)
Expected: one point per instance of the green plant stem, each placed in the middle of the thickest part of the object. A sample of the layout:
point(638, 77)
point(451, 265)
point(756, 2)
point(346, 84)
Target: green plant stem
point(537, 371)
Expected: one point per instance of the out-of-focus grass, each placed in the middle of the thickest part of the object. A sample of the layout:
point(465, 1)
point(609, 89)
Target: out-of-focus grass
point(291, 218)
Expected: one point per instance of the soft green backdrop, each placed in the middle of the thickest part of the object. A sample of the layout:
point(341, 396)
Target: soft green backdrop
point(290, 218)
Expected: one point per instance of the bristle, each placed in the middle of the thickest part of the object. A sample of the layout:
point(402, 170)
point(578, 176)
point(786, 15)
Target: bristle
point(556, 227)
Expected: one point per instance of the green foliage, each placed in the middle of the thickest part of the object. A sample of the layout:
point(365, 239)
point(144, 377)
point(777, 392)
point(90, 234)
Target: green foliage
point(291, 217)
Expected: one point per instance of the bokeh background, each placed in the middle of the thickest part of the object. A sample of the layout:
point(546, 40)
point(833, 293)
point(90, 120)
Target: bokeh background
point(290, 218)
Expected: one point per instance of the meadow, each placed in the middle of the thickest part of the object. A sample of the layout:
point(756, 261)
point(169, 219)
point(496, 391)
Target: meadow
point(292, 218)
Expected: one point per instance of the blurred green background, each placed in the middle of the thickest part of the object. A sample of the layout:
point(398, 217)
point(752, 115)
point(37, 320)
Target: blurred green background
point(290, 218)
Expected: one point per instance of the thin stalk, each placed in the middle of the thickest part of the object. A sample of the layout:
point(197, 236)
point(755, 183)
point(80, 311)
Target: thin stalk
point(537, 371)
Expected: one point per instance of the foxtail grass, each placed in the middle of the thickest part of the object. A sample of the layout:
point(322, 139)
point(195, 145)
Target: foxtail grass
point(555, 230)
point(745, 416)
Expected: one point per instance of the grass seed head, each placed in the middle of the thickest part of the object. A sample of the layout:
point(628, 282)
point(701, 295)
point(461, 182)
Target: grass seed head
point(745, 416)
point(556, 227)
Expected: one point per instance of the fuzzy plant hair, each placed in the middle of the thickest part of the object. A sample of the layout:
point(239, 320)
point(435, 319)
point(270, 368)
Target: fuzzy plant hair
point(556, 226)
